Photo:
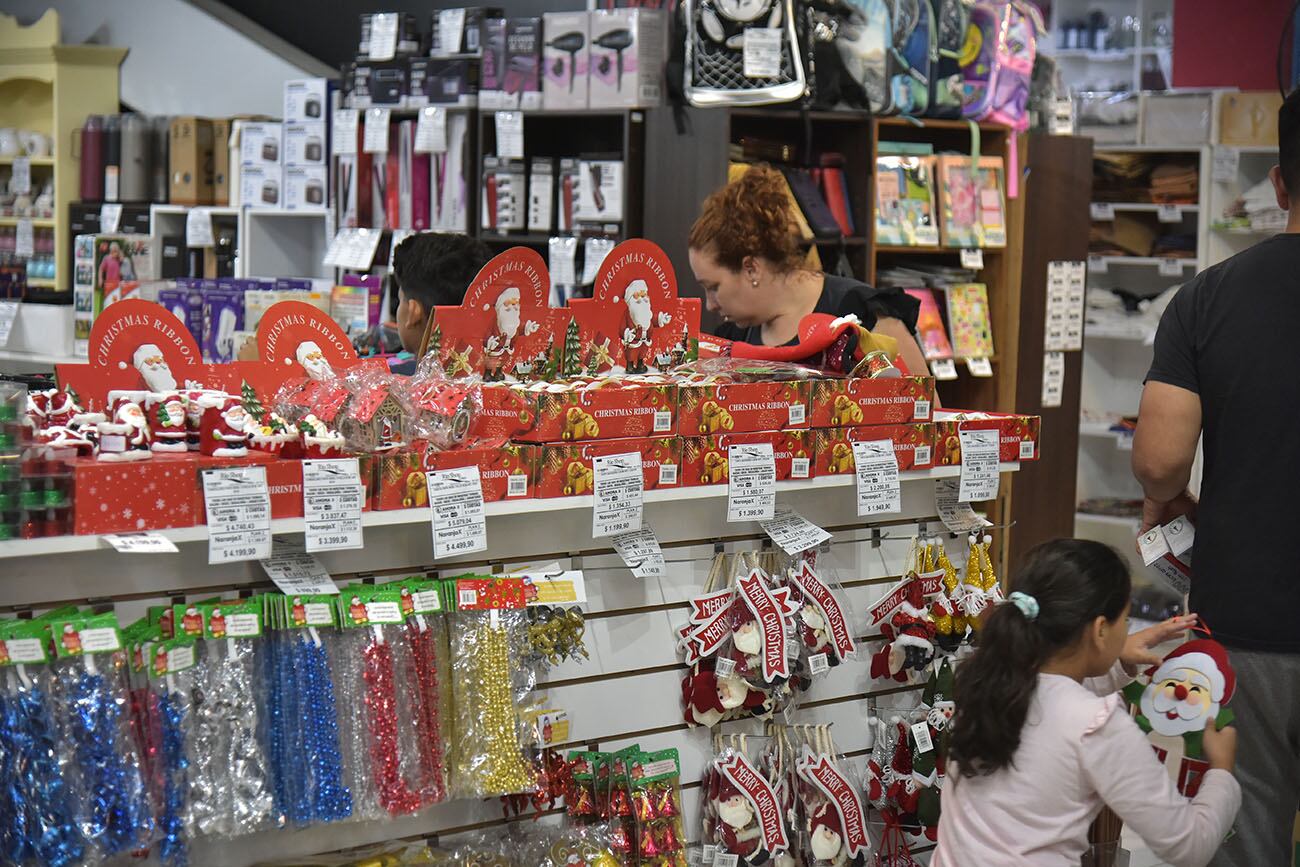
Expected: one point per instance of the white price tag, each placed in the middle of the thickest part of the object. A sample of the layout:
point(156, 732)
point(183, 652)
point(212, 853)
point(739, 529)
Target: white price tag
point(1097, 264)
point(20, 179)
point(383, 35)
point(24, 239)
point(793, 532)
point(238, 506)
point(331, 504)
point(973, 259)
point(762, 52)
point(375, 136)
point(594, 251)
point(876, 466)
point(641, 552)
point(1153, 545)
point(8, 315)
point(1170, 267)
point(510, 134)
point(726, 859)
point(295, 571)
point(353, 249)
point(958, 517)
point(818, 663)
point(944, 369)
point(1181, 536)
point(708, 853)
point(110, 216)
point(751, 488)
point(1225, 165)
point(431, 131)
point(451, 24)
point(198, 228)
point(344, 139)
point(979, 466)
point(798, 414)
point(1053, 379)
point(724, 667)
point(980, 367)
point(921, 734)
point(140, 543)
point(617, 488)
point(1102, 211)
point(456, 505)
point(1169, 214)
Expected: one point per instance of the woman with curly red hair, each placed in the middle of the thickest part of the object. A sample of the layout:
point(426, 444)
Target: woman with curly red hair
point(748, 257)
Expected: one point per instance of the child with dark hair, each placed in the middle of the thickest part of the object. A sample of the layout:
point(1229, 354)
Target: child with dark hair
point(1040, 740)
point(432, 270)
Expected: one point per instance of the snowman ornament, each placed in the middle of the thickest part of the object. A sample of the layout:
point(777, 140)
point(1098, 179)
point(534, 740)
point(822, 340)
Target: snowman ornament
point(724, 21)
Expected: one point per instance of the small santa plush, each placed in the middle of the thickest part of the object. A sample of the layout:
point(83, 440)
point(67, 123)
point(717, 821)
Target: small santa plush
point(224, 432)
point(911, 637)
point(166, 412)
point(738, 828)
point(126, 437)
point(747, 644)
point(815, 634)
point(826, 837)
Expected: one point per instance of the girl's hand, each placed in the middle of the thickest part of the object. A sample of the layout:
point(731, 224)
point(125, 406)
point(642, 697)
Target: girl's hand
point(1220, 746)
point(1138, 652)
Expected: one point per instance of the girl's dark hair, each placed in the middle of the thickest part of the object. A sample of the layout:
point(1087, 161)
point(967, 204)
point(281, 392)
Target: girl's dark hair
point(1074, 581)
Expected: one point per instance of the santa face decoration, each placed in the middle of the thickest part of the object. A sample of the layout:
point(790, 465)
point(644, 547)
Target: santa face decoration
point(735, 811)
point(1188, 688)
point(313, 361)
point(157, 374)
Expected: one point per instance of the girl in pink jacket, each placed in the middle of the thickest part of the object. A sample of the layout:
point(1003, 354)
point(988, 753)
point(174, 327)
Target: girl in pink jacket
point(1040, 740)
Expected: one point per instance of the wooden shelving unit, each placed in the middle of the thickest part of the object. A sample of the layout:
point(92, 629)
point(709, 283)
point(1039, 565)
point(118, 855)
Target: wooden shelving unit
point(51, 88)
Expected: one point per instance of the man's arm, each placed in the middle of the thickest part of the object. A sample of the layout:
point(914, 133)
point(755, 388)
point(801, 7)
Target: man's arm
point(1164, 445)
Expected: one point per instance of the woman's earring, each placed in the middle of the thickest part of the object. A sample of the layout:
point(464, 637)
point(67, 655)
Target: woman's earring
point(754, 282)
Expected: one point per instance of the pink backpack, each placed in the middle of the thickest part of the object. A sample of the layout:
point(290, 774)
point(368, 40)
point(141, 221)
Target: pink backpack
point(998, 61)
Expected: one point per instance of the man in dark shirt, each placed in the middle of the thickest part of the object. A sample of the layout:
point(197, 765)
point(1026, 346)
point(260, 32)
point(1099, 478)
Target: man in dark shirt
point(1225, 367)
point(431, 270)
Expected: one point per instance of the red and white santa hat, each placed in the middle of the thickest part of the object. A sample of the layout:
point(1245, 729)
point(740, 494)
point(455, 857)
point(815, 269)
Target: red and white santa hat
point(1208, 656)
point(827, 818)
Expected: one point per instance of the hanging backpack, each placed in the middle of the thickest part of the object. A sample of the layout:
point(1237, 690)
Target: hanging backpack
point(909, 56)
point(864, 43)
point(714, 62)
point(951, 18)
point(998, 61)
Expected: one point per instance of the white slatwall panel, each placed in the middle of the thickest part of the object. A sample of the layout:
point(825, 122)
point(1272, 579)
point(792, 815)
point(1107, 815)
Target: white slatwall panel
point(627, 692)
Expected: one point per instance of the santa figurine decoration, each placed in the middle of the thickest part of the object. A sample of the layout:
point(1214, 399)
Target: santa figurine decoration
point(639, 327)
point(166, 413)
point(826, 837)
point(737, 828)
point(225, 430)
point(125, 436)
point(1187, 691)
point(909, 635)
point(153, 367)
point(62, 410)
point(499, 347)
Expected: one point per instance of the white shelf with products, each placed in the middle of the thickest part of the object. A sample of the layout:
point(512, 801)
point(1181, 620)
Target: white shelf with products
point(268, 242)
point(1252, 167)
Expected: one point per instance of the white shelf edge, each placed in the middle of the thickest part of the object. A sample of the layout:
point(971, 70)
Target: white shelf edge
point(178, 210)
point(1147, 207)
point(1113, 520)
point(1252, 150)
point(182, 535)
point(1150, 148)
point(1146, 261)
point(279, 212)
point(1135, 333)
point(38, 358)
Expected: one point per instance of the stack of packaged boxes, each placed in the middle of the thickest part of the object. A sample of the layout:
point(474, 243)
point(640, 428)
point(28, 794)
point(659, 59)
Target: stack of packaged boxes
point(305, 147)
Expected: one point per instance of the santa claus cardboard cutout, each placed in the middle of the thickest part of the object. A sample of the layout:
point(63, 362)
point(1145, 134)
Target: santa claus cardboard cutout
point(634, 322)
point(140, 346)
point(1187, 691)
point(504, 330)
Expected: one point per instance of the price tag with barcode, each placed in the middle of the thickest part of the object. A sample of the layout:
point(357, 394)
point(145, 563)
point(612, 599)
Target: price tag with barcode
point(375, 136)
point(8, 315)
point(973, 258)
point(456, 505)
point(617, 489)
point(510, 134)
point(20, 178)
point(110, 215)
point(1103, 211)
point(1169, 214)
point(344, 140)
point(793, 532)
point(353, 249)
point(641, 553)
point(798, 414)
point(876, 466)
point(198, 228)
point(944, 369)
point(921, 734)
point(238, 507)
point(1170, 267)
point(751, 491)
point(431, 131)
point(295, 571)
point(331, 504)
point(383, 35)
point(980, 367)
point(818, 663)
point(979, 466)
point(1097, 264)
point(140, 543)
point(24, 239)
point(1225, 164)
